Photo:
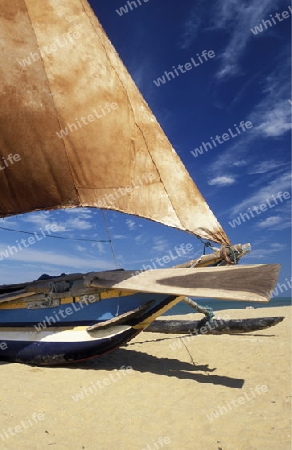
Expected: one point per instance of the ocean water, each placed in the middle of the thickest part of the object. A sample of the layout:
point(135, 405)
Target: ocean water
point(219, 305)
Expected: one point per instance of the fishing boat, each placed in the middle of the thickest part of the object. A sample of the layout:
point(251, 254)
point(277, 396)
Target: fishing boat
point(76, 132)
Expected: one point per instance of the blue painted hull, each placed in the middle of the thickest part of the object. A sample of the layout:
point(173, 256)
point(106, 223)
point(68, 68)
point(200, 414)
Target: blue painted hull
point(58, 353)
point(77, 313)
point(48, 336)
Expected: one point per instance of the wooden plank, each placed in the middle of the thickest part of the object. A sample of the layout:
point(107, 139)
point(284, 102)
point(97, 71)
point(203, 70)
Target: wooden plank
point(14, 296)
point(194, 327)
point(121, 319)
point(216, 257)
point(240, 282)
point(246, 282)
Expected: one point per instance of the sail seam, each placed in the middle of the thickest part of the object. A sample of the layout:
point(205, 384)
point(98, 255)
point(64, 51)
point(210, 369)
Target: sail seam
point(133, 112)
point(55, 108)
point(141, 131)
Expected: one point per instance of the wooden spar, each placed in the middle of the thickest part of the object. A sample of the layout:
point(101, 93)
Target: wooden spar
point(121, 319)
point(17, 295)
point(56, 288)
point(207, 260)
point(247, 283)
point(233, 326)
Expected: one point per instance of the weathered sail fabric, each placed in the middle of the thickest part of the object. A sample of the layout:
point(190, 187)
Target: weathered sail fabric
point(83, 132)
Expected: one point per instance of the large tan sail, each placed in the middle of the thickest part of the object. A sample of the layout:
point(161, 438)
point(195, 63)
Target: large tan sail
point(83, 132)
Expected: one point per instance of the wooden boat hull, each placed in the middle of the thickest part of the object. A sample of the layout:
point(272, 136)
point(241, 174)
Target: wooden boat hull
point(27, 337)
point(75, 312)
point(61, 345)
point(49, 322)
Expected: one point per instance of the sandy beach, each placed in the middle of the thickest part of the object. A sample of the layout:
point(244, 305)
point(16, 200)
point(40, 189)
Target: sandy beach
point(159, 391)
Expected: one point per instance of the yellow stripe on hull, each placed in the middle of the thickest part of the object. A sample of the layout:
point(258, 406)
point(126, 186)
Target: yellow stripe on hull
point(110, 293)
point(150, 319)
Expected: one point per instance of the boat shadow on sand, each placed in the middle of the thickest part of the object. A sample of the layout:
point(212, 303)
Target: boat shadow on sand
point(143, 362)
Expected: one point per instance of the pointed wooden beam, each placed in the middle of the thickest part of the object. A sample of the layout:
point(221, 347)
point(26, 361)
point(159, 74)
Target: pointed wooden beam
point(207, 260)
point(248, 283)
point(195, 327)
point(121, 319)
point(17, 295)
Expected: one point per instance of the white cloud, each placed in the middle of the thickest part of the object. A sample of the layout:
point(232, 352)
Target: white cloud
point(101, 247)
point(81, 212)
point(270, 118)
point(235, 18)
point(240, 163)
point(77, 224)
point(160, 244)
point(43, 218)
point(280, 184)
point(48, 258)
point(131, 224)
point(141, 239)
point(263, 250)
point(80, 248)
point(238, 18)
point(222, 181)
point(40, 218)
point(265, 166)
point(269, 222)
point(191, 27)
point(275, 121)
point(276, 247)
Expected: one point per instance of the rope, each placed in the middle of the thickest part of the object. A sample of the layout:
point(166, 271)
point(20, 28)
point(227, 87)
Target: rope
point(205, 244)
point(110, 240)
point(54, 237)
point(207, 310)
point(232, 258)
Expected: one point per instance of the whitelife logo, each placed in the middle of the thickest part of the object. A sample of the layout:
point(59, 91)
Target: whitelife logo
point(96, 386)
point(249, 214)
point(58, 43)
point(102, 111)
point(9, 161)
point(124, 9)
point(24, 425)
point(221, 410)
point(270, 23)
point(171, 255)
point(117, 193)
point(205, 146)
point(25, 243)
point(181, 69)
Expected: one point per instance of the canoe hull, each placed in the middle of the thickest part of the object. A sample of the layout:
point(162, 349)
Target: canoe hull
point(61, 345)
point(29, 336)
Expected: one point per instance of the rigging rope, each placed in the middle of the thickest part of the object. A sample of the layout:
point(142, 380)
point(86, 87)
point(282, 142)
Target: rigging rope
point(54, 237)
point(110, 240)
point(206, 310)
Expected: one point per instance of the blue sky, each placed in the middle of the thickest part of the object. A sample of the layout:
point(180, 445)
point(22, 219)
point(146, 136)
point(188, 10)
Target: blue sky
point(247, 80)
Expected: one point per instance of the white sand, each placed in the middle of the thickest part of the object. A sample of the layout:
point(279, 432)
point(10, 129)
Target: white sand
point(245, 380)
